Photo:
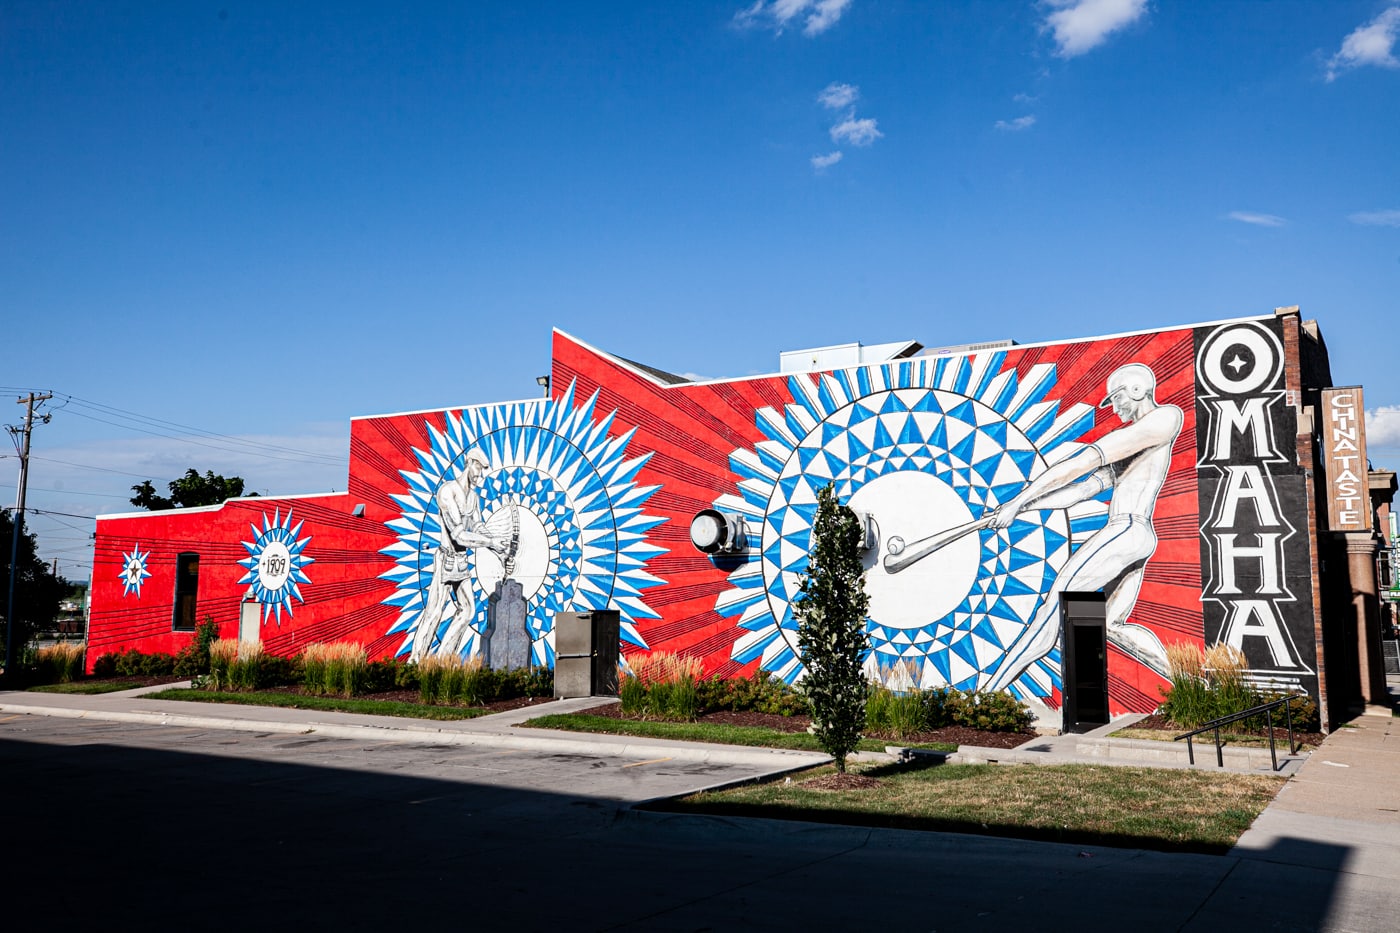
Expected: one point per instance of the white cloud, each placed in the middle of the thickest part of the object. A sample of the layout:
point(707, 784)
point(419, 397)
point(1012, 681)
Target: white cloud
point(817, 16)
point(1370, 44)
point(1081, 25)
point(1259, 220)
point(1025, 99)
point(1376, 218)
point(837, 96)
point(856, 132)
point(821, 163)
point(1020, 123)
point(1383, 427)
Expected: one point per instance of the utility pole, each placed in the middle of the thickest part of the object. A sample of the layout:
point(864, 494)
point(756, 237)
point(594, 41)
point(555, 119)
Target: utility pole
point(23, 447)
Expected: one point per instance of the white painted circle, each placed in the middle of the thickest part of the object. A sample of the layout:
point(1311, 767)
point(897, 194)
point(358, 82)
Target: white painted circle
point(532, 558)
point(1214, 364)
point(913, 505)
point(274, 566)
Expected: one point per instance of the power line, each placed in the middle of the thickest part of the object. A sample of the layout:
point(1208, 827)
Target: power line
point(147, 424)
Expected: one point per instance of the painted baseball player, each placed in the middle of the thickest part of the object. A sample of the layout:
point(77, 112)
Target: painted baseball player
point(1132, 461)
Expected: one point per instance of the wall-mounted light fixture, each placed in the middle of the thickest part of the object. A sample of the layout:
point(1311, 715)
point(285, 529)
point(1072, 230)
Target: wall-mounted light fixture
point(359, 510)
point(715, 532)
point(869, 531)
point(543, 383)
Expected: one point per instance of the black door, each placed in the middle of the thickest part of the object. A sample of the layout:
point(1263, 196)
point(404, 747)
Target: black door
point(1085, 661)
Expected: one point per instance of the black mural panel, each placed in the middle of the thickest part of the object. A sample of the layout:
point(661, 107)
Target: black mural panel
point(1256, 577)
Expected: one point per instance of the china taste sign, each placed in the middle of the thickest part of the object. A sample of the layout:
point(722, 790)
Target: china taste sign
point(1344, 457)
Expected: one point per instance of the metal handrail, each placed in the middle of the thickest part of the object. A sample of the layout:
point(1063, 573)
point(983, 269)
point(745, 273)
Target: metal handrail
point(1265, 708)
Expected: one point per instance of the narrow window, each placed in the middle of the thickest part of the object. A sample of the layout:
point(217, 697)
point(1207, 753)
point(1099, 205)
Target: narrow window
point(186, 587)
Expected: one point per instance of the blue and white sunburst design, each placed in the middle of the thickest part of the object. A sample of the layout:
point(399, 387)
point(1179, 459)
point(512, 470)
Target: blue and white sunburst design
point(922, 446)
point(134, 570)
point(582, 533)
point(276, 564)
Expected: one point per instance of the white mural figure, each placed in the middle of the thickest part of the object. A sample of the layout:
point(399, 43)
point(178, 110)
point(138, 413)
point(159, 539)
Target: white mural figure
point(1132, 462)
point(459, 510)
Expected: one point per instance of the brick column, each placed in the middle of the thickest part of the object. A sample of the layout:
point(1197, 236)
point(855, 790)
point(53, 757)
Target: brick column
point(1361, 568)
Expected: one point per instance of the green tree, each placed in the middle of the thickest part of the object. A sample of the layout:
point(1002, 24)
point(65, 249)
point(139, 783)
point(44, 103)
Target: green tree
point(188, 490)
point(831, 638)
point(37, 590)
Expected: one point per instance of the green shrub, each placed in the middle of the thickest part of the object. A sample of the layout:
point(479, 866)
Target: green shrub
point(910, 712)
point(194, 658)
point(760, 693)
point(128, 662)
point(989, 710)
point(390, 674)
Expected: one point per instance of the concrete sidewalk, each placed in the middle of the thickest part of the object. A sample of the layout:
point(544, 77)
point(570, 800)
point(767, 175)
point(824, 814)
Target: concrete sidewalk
point(499, 730)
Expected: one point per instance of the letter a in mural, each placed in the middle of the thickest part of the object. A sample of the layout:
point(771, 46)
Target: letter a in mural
point(536, 493)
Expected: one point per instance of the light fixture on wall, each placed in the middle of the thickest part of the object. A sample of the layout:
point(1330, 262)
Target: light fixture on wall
point(715, 532)
point(543, 382)
point(869, 531)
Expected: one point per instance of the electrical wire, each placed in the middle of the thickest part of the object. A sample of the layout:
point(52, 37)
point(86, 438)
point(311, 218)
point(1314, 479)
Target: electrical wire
point(148, 424)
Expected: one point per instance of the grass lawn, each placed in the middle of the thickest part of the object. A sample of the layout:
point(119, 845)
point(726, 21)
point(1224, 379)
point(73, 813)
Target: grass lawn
point(722, 733)
point(83, 687)
point(328, 704)
point(1145, 808)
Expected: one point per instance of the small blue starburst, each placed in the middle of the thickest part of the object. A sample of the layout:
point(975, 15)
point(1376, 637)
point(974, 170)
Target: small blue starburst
point(276, 564)
point(134, 571)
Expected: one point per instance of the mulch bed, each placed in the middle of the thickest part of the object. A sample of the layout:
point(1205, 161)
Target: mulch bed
point(956, 735)
point(839, 781)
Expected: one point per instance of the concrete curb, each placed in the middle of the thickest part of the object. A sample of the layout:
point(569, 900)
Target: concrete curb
point(566, 743)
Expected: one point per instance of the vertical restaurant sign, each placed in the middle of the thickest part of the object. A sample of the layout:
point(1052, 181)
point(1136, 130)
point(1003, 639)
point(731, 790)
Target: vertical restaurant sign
point(1256, 592)
point(1344, 459)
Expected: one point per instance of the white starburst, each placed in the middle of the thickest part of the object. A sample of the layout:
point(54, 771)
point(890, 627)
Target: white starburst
point(582, 532)
point(276, 564)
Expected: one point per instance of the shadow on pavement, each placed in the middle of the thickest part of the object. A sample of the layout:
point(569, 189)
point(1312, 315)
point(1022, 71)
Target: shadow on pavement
point(153, 839)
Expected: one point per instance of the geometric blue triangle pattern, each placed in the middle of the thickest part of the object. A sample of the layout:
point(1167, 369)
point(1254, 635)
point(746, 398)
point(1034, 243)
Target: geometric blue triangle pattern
point(856, 427)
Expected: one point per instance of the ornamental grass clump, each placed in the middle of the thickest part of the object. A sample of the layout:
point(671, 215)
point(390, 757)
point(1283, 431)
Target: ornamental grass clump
point(337, 668)
point(243, 665)
point(61, 663)
point(452, 679)
point(222, 653)
point(1206, 684)
point(662, 686)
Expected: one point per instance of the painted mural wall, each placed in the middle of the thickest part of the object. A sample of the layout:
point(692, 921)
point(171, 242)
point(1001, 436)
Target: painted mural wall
point(1147, 467)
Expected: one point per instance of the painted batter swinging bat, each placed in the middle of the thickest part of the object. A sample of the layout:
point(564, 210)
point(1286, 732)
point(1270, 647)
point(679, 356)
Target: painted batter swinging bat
point(901, 555)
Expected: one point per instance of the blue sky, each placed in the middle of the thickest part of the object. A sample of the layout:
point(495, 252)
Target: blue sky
point(260, 220)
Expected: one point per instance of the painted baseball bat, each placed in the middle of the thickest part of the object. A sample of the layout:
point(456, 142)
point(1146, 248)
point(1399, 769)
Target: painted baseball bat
point(912, 553)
